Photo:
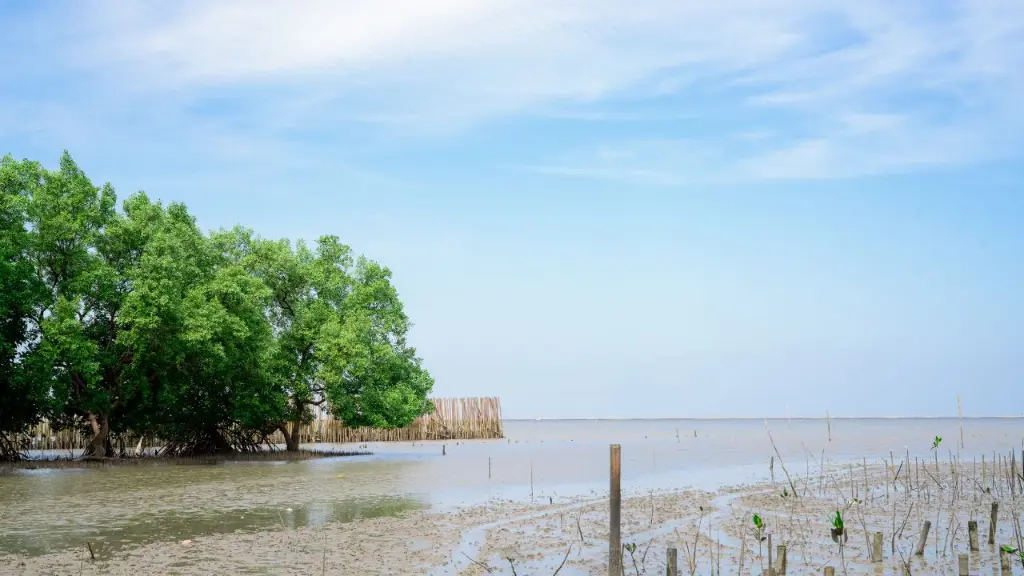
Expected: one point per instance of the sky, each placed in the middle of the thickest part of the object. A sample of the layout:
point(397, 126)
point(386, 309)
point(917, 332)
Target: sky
point(593, 208)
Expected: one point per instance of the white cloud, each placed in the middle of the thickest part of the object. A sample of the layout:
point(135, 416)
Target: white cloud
point(871, 86)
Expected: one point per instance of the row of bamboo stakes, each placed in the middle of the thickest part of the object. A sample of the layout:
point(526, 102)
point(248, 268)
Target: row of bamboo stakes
point(615, 548)
point(452, 419)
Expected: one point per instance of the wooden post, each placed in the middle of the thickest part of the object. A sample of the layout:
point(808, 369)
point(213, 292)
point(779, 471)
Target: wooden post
point(993, 519)
point(673, 561)
point(972, 534)
point(876, 547)
point(488, 467)
point(771, 572)
point(960, 412)
point(615, 504)
point(531, 481)
point(963, 565)
point(780, 553)
point(923, 540)
point(1004, 562)
point(830, 571)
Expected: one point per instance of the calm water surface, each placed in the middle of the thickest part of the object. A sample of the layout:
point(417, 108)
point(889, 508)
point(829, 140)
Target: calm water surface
point(123, 506)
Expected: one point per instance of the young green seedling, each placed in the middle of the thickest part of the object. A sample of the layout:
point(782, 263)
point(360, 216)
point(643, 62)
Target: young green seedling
point(758, 528)
point(838, 529)
point(936, 442)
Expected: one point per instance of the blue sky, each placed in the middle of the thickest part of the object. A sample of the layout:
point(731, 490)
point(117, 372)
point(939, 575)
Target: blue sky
point(593, 208)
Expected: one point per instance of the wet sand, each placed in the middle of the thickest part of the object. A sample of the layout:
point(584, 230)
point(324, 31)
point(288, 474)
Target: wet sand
point(537, 537)
point(411, 511)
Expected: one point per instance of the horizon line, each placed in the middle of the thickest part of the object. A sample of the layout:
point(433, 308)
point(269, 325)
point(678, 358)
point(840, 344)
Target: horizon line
point(706, 418)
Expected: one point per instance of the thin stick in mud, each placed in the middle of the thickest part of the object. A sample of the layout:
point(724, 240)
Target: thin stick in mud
point(781, 463)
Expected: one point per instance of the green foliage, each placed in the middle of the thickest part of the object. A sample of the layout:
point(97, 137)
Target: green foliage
point(936, 442)
point(339, 332)
point(837, 522)
point(24, 399)
point(134, 319)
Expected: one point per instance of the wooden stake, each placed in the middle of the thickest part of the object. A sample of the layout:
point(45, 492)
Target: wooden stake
point(1004, 562)
point(960, 411)
point(907, 480)
point(673, 561)
point(488, 467)
point(614, 520)
point(830, 571)
point(865, 463)
point(923, 540)
point(963, 565)
point(828, 420)
point(992, 521)
point(780, 552)
point(972, 534)
point(876, 547)
point(770, 571)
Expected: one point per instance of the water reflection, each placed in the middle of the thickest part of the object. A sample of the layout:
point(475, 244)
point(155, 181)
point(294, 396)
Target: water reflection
point(120, 506)
point(146, 526)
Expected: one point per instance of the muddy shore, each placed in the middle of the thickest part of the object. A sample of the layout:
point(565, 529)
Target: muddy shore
point(709, 531)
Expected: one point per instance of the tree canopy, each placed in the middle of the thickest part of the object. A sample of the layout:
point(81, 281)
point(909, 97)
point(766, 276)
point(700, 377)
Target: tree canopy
point(134, 319)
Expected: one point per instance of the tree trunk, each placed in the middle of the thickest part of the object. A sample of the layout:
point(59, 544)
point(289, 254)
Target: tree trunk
point(291, 437)
point(99, 445)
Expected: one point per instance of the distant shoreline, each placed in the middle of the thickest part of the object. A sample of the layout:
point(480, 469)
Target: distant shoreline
point(760, 418)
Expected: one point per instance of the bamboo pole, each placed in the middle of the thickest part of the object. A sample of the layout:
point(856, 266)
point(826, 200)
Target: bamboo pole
point(993, 520)
point(453, 419)
point(614, 519)
point(923, 540)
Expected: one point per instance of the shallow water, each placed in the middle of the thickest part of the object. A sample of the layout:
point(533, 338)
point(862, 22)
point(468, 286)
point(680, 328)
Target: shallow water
point(117, 507)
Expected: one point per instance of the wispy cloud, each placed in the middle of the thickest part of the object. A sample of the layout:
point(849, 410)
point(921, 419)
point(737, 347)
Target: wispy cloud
point(845, 88)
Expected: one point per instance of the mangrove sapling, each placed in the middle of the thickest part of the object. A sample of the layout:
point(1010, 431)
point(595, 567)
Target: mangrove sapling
point(759, 535)
point(839, 536)
point(631, 549)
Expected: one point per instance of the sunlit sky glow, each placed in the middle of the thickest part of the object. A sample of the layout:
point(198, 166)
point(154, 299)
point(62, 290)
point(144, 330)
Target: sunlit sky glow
point(593, 208)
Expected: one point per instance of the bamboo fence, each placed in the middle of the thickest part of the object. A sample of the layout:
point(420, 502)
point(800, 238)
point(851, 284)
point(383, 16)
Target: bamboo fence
point(453, 419)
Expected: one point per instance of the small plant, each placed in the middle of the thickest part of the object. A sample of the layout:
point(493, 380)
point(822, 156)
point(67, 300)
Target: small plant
point(1012, 550)
point(631, 548)
point(785, 492)
point(838, 528)
point(936, 442)
point(758, 528)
